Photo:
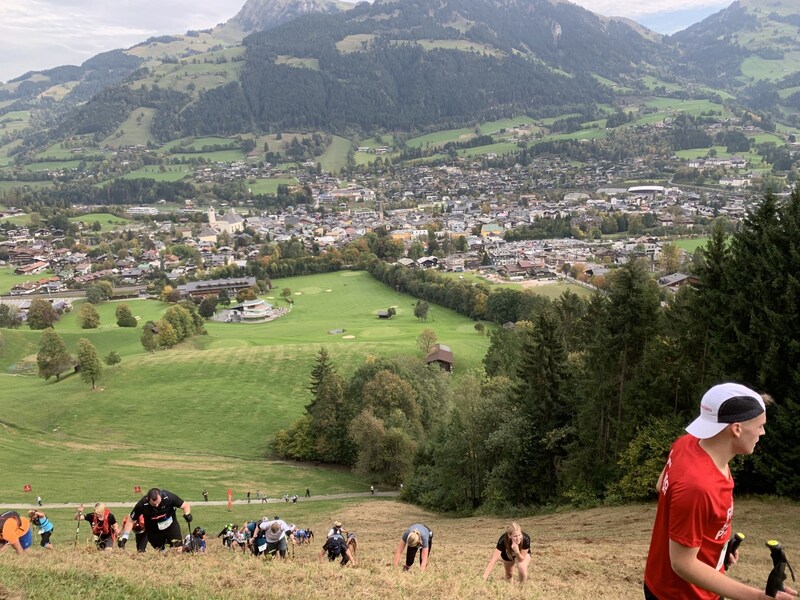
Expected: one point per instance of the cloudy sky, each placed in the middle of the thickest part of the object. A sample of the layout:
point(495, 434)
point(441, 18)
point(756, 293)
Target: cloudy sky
point(40, 34)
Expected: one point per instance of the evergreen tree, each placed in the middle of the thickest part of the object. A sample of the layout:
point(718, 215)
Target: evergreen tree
point(53, 357)
point(538, 428)
point(626, 322)
point(89, 360)
point(756, 328)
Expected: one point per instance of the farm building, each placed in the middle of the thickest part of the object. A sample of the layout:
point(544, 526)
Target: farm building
point(443, 356)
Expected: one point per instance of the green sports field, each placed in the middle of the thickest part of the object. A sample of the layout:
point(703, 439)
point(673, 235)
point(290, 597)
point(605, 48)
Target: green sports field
point(201, 414)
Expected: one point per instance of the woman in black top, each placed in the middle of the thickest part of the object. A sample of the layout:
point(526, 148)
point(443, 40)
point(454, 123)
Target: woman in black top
point(513, 548)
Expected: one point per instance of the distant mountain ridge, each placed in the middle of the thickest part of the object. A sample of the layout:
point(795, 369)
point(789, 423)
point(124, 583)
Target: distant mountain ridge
point(408, 65)
point(261, 15)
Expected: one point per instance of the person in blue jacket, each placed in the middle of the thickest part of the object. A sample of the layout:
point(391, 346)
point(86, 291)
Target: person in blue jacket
point(43, 525)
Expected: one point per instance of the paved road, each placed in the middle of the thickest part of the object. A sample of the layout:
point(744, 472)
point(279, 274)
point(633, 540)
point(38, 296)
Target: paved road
point(253, 502)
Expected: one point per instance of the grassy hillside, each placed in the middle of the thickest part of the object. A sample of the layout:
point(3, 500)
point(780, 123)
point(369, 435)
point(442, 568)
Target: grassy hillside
point(202, 413)
point(598, 553)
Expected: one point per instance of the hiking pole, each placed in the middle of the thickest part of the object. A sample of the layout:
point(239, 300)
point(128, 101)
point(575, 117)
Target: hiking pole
point(78, 527)
point(778, 574)
point(733, 546)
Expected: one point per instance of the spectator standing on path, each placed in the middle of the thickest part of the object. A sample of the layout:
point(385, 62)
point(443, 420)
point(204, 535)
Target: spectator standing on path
point(372, 489)
point(39, 500)
point(43, 525)
point(15, 531)
point(695, 501)
point(248, 497)
point(160, 524)
point(308, 493)
point(264, 498)
point(417, 537)
point(205, 495)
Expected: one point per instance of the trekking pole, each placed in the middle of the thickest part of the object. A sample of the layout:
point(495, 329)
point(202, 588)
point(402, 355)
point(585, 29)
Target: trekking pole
point(733, 546)
point(778, 574)
point(78, 527)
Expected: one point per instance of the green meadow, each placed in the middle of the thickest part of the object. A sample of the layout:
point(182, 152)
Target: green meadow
point(203, 413)
point(135, 130)
point(59, 152)
point(269, 186)
point(170, 173)
point(197, 143)
point(8, 279)
point(107, 221)
point(692, 244)
point(335, 156)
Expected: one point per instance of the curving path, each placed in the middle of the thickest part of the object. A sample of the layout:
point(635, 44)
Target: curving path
point(237, 502)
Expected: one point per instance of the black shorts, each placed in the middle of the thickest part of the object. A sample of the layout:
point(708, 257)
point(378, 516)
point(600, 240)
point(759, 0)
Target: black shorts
point(171, 536)
point(105, 543)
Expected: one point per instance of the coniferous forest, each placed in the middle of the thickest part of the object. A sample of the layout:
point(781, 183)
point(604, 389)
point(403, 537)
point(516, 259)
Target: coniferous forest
point(581, 399)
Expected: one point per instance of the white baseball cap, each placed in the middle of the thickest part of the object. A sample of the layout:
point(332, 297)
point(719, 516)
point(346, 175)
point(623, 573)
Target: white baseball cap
point(725, 404)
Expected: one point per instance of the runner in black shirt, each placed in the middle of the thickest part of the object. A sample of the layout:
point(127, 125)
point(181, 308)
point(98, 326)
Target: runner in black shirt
point(160, 524)
point(513, 548)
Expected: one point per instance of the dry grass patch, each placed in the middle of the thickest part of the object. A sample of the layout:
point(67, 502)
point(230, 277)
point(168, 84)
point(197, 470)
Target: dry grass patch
point(590, 554)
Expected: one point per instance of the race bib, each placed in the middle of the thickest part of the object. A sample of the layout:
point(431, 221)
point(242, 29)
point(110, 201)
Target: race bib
point(262, 547)
point(162, 525)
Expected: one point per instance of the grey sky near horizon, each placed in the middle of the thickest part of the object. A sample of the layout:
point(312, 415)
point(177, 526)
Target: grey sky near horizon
point(41, 34)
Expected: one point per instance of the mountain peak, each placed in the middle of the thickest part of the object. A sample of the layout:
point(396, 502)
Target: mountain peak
point(261, 15)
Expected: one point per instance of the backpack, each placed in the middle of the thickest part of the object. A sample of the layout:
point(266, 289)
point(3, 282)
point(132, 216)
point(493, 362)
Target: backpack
point(11, 514)
point(103, 528)
point(335, 545)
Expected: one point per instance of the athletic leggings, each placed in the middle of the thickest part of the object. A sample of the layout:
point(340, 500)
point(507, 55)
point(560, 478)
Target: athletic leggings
point(411, 552)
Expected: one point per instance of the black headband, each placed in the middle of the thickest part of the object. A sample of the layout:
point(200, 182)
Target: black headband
point(738, 409)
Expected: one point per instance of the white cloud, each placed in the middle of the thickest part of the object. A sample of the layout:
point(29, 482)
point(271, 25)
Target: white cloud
point(40, 34)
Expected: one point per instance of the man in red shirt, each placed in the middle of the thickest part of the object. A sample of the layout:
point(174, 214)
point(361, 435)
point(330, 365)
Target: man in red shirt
point(695, 501)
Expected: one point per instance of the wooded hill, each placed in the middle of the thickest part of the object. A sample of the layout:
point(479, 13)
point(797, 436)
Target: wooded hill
point(409, 65)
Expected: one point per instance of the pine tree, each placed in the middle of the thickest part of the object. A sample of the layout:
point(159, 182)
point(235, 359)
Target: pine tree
point(536, 432)
point(53, 357)
point(89, 360)
point(624, 325)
